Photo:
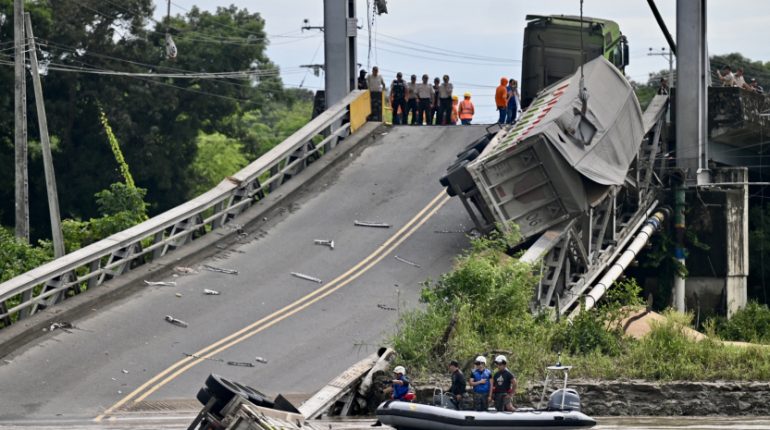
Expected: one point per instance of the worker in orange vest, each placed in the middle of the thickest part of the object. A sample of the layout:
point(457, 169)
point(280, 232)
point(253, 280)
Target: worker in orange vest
point(501, 99)
point(453, 116)
point(466, 110)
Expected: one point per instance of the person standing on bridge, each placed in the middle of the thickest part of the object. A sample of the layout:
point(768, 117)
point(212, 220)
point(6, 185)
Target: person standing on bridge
point(466, 110)
point(411, 100)
point(444, 102)
point(501, 99)
point(425, 96)
point(398, 99)
point(434, 102)
point(362, 85)
point(513, 101)
point(455, 102)
point(376, 86)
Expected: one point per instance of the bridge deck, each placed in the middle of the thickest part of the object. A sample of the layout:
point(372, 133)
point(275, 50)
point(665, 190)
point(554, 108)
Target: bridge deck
point(80, 373)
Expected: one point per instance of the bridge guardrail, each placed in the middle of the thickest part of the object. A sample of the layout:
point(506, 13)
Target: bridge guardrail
point(116, 255)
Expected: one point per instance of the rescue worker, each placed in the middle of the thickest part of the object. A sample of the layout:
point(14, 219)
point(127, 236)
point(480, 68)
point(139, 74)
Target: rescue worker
point(398, 99)
point(425, 95)
point(457, 390)
point(434, 102)
point(504, 385)
point(376, 85)
point(444, 101)
point(501, 99)
point(480, 381)
point(399, 390)
point(466, 110)
point(411, 100)
point(454, 117)
point(513, 101)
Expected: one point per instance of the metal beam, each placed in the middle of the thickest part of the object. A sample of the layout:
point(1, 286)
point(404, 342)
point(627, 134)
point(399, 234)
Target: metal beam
point(692, 91)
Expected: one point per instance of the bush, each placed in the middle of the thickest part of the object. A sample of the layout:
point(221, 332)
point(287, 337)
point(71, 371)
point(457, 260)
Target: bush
point(750, 324)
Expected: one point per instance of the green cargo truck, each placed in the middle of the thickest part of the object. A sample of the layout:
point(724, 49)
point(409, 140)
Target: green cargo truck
point(552, 49)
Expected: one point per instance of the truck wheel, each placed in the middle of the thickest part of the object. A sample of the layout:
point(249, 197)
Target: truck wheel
point(223, 389)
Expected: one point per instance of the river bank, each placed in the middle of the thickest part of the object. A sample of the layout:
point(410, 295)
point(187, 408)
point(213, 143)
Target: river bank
point(645, 398)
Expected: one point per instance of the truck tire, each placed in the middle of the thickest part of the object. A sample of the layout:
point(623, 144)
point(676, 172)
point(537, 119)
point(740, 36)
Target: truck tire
point(223, 389)
point(255, 396)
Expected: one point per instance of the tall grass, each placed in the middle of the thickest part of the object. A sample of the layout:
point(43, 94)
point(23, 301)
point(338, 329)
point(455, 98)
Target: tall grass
point(483, 306)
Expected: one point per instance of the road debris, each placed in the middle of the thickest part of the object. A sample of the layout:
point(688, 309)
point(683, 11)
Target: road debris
point(198, 357)
point(403, 260)
point(240, 364)
point(178, 294)
point(125, 372)
point(449, 231)
point(184, 270)
point(61, 325)
point(160, 283)
point(208, 292)
point(220, 270)
point(371, 224)
point(324, 242)
point(175, 321)
point(307, 277)
point(261, 360)
point(386, 308)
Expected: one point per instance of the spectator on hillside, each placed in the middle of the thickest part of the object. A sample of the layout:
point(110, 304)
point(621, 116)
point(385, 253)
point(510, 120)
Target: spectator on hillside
point(663, 86)
point(740, 81)
point(756, 87)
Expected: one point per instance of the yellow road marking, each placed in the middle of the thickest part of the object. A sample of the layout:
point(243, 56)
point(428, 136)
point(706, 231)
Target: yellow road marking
point(286, 311)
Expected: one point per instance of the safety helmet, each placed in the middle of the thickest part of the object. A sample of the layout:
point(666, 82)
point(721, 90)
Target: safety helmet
point(467, 95)
point(481, 359)
point(500, 359)
point(454, 97)
point(400, 369)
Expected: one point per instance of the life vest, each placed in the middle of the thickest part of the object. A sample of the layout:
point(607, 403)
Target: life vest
point(401, 390)
point(466, 109)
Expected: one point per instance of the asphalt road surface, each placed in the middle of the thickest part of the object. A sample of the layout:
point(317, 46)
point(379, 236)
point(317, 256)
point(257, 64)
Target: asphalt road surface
point(126, 355)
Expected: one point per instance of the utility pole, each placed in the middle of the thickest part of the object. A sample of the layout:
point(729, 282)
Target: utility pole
point(45, 143)
point(21, 198)
point(670, 56)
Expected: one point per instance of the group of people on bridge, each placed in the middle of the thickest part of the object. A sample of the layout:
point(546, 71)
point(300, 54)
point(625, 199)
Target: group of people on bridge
point(427, 104)
point(737, 79)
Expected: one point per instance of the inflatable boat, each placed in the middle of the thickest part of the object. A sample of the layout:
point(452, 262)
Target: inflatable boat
point(561, 412)
point(405, 415)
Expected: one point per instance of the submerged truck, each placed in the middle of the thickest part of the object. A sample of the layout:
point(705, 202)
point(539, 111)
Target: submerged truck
point(552, 49)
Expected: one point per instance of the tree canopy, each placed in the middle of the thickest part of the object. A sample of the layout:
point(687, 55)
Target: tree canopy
point(164, 125)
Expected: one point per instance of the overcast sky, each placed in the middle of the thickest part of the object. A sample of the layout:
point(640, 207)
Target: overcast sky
point(482, 28)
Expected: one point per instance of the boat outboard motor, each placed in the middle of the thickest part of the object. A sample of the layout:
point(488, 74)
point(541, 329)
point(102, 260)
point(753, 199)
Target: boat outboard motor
point(570, 397)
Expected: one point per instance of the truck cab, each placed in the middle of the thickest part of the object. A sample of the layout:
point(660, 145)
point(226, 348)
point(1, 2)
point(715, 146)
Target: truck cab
point(552, 49)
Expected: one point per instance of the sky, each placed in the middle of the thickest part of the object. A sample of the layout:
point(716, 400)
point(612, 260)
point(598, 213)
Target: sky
point(464, 30)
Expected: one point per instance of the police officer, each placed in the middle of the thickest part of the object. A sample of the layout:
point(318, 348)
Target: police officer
point(398, 100)
point(458, 384)
point(444, 101)
point(425, 95)
point(411, 100)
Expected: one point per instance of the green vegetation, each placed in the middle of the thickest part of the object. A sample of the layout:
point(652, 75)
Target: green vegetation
point(168, 128)
point(750, 324)
point(483, 306)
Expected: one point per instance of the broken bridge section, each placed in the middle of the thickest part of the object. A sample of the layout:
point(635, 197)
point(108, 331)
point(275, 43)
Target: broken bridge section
point(294, 336)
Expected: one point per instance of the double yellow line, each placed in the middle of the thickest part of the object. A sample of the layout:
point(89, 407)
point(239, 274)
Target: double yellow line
point(353, 273)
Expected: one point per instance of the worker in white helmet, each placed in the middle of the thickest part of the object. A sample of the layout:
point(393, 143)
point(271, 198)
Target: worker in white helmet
point(504, 385)
point(399, 389)
point(480, 381)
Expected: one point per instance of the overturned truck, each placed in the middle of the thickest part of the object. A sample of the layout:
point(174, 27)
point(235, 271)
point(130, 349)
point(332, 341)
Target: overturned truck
point(576, 174)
